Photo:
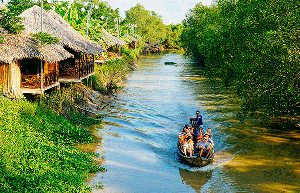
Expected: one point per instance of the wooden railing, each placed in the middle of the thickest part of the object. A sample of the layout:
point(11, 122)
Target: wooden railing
point(87, 68)
point(30, 81)
point(83, 66)
point(50, 78)
point(34, 81)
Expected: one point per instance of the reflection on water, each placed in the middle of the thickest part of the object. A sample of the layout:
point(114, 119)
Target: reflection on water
point(195, 179)
point(139, 136)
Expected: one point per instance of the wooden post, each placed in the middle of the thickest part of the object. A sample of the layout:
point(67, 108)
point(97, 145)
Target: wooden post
point(8, 79)
point(42, 77)
point(42, 71)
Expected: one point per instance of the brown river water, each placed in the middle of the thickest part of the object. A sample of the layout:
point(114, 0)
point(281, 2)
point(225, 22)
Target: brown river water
point(140, 128)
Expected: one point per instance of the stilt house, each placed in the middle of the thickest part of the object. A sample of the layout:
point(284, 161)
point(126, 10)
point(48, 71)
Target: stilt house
point(72, 69)
point(132, 41)
point(21, 58)
point(112, 43)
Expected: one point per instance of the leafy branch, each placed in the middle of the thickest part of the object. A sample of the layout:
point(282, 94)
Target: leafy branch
point(45, 38)
point(10, 22)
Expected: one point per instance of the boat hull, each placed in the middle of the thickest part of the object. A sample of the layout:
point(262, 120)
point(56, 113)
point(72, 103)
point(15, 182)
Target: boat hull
point(195, 160)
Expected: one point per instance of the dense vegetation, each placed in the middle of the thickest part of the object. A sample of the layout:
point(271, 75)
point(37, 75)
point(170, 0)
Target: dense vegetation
point(150, 27)
point(36, 152)
point(110, 75)
point(252, 46)
point(10, 22)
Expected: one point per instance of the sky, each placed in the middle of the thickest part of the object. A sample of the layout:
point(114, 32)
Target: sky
point(172, 11)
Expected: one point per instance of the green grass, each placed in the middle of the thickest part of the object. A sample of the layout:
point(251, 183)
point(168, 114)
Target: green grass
point(36, 152)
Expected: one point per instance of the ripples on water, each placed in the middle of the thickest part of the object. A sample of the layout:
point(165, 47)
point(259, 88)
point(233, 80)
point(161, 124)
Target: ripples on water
point(140, 131)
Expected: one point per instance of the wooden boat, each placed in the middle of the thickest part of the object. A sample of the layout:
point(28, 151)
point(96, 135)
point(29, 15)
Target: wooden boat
point(195, 160)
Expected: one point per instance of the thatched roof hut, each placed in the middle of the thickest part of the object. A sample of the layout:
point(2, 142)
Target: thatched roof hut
point(131, 38)
point(56, 26)
point(111, 40)
point(19, 47)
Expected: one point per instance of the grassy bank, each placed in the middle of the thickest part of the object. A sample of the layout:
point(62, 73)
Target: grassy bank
point(37, 140)
point(36, 152)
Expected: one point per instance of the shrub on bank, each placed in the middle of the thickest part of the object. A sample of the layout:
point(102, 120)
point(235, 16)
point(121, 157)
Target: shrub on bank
point(111, 74)
point(34, 155)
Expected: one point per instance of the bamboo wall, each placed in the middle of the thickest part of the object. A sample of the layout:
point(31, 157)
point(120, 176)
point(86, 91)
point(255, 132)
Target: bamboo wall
point(3, 76)
point(15, 79)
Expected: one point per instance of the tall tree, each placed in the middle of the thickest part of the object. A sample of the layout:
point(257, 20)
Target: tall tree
point(150, 24)
point(253, 46)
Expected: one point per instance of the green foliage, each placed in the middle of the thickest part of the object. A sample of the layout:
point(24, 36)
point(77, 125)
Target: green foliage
point(110, 75)
point(10, 22)
point(1, 39)
point(45, 38)
point(251, 45)
point(16, 7)
point(129, 54)
point(34, 156)
point(173, 36)
point(150, 25)
point(78, 19)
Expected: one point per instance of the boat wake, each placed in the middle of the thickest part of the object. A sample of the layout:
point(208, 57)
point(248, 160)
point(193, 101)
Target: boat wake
point(221, 158)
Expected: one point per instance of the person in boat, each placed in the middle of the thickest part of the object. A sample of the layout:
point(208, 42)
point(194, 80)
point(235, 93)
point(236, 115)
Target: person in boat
point(191, 129)
point(200, 134)
point(204, 146)
point(197, 122)
point(210, 141)
point(184, 134)
point(208, 131)
point(188, 146)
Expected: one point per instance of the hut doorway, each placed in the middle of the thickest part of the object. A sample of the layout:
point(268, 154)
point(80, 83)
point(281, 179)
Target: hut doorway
point(30, 73)
point(30, 66)
point(67, 69)
point(77, 68)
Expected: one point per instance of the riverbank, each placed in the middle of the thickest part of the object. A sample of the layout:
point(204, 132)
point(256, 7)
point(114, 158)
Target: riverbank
point(36, 149)
point(39, 140)
point(109, 76)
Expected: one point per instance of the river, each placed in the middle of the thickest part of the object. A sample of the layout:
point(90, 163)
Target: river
point(140, 128)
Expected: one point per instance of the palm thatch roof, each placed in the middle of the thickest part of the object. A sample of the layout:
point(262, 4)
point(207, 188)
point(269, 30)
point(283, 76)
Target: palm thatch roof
point(111, 40)
point(18, 47)
point(133, 39)
point(56, 26)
